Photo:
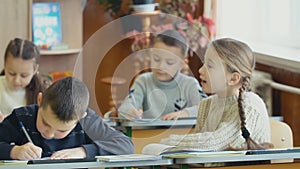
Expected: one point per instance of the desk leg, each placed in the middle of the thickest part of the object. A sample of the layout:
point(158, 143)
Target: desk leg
point(184, 166)
point(129, 132)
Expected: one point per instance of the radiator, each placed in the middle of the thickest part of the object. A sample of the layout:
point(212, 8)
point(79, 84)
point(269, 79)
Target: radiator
point(262, 84)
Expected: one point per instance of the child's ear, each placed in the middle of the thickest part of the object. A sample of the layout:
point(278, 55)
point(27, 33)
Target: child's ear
point(39, 98)
point(234, 79)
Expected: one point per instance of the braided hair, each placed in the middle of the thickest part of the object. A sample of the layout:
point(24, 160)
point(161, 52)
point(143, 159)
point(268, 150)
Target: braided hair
point(251, 144)
point(238, 57)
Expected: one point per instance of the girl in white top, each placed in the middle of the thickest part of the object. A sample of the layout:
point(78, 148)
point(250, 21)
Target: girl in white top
point(228, 117)
point(19, 83)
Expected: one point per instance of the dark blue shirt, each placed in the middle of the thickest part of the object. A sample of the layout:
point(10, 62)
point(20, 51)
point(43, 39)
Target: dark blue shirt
point(91, 132)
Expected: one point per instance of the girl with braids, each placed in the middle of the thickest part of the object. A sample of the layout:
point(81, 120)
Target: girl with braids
point(232, 117)
point(20, 83)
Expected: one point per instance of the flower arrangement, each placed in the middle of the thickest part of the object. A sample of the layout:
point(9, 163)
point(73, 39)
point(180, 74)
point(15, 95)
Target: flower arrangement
point(178, 7)
point(197, 32)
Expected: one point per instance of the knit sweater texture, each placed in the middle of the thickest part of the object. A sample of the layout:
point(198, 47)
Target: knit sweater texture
point(10, 99)
point(158, 98)
point(227, 130)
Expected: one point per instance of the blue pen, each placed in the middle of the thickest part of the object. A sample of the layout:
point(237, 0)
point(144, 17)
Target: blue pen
point(25, 132)
point(132, 97)
point(131, 116)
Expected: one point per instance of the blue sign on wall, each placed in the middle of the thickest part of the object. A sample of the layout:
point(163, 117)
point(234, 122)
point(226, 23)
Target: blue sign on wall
point(46, 24)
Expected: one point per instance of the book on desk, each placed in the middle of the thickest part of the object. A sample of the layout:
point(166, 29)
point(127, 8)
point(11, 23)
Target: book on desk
point(128, 157)
point(168, 151)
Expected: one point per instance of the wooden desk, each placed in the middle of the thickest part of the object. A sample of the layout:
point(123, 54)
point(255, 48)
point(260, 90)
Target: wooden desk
point(152, 131)
point(182, 162)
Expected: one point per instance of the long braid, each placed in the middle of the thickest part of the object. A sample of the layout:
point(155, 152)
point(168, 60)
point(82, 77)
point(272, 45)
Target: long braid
point(251, 144)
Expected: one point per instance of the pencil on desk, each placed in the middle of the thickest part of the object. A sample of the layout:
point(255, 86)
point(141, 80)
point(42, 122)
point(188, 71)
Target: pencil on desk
point(25, 132)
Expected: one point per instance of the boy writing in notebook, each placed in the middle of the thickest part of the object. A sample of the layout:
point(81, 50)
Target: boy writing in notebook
point(164, 92)
point(61, 126)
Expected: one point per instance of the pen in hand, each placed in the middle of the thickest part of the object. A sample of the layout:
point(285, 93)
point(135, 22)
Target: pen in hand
point(131, 96)
point(25, 132)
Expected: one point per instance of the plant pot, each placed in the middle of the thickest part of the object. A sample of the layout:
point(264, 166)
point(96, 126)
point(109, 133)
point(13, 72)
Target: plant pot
point(140, 2)
point(144, 8)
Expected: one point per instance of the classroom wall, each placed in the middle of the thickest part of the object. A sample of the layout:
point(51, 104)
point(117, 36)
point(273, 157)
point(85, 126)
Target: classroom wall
point(14, 19)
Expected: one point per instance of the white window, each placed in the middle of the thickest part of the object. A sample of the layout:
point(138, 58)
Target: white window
point(265, 21)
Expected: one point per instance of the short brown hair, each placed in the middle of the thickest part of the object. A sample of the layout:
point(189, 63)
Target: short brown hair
point(68, 98)
point(173, 38)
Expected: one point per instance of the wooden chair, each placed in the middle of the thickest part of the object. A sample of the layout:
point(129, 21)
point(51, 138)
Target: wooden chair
point(281, 137)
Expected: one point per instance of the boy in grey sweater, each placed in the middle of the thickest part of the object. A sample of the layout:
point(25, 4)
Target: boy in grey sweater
point(164, 92)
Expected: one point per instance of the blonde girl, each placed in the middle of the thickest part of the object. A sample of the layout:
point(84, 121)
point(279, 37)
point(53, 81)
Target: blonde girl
point(233, 117)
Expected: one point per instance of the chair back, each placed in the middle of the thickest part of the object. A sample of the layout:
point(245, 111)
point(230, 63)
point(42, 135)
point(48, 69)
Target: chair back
point(281, 134)
point(281, 137)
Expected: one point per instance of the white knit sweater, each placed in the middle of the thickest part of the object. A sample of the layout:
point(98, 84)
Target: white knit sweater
point(10, 99)
point(227, 130)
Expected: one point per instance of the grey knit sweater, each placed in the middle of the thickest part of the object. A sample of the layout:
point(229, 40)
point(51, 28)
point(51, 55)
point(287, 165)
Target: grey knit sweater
point(158, 98)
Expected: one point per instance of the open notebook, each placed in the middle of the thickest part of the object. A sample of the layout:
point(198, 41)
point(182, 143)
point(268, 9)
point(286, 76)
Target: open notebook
point(179, 152)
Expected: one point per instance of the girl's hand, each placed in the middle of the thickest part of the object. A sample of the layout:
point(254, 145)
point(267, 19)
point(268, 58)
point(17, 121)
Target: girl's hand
point(138, 114)
point(175, 115)
point(27, 151)
point(78, 152)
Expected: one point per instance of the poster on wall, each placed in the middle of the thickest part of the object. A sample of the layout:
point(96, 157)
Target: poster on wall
point(46, 24)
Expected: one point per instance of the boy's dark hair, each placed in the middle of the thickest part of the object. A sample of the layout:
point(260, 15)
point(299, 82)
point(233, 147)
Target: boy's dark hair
point(19, 48)
point(68, 98)
point(173, 38)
